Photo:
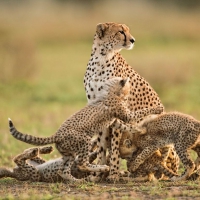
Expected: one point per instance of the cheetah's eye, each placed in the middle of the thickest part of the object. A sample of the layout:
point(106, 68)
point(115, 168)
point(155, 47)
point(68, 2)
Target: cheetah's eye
point(122, 32)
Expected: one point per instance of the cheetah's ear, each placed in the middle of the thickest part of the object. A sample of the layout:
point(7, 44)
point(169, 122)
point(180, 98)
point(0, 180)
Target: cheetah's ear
point(100, 30)
point(124, 81)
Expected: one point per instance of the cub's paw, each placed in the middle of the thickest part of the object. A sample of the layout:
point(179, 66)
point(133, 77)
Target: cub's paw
point(45, 150)
point(31, 152)
point(93, 178)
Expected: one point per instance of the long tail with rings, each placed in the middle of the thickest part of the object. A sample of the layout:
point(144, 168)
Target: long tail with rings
point(29, 138)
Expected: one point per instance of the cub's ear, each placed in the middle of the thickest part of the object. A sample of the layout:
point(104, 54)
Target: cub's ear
point(124, 81)
point(100, 29)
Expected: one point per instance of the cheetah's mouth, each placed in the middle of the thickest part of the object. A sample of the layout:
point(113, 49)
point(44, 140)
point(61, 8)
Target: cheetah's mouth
point(129, 46)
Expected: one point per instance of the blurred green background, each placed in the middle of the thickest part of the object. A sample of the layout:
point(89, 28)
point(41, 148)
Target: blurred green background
point(45, 47)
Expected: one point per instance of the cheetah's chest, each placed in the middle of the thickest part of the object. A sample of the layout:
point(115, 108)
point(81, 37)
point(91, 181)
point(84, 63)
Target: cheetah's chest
point(96, 76)
point(100, 69)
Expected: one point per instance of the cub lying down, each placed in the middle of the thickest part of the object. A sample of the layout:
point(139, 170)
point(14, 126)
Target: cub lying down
point(31, 167)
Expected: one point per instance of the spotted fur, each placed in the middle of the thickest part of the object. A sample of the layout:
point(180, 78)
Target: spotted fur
point(155, 166)
point(105, 63)
point(173, 128)
point(74, 135)
point(164, 163)
point(31, 167)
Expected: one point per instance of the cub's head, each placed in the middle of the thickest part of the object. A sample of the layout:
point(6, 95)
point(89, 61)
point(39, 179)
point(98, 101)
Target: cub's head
point(118, 88)
point(126, 148)
point(113, 36)
point(113, 90)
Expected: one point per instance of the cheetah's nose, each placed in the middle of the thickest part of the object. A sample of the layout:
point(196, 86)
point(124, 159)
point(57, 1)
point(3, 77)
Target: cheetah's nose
point(132, 40)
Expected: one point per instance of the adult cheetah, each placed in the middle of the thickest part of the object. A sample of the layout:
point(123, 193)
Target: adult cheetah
point(157, 131)
point(73, 138)
point(105, 63)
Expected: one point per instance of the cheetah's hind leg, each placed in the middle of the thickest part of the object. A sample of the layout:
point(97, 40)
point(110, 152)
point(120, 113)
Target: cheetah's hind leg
point(146, 153)
point(187, 162)
point(20, 160)
point(38, 160)
point(83, 159)
point(196, 174)
point(65, 170)
point(197, 161)
point(45, 150)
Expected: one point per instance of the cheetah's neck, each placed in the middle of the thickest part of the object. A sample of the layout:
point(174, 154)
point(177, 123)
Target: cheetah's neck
point(104, 60)
point(104, 64)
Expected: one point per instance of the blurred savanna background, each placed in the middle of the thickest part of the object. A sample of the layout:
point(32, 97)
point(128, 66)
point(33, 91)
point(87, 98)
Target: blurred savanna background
point(45, 47)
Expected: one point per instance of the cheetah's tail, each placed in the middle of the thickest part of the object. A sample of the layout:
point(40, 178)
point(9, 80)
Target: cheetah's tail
point(4, 172)
point(29, 138)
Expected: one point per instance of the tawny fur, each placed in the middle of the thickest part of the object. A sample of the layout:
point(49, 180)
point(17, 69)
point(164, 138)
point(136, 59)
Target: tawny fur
point(31, 167)
point(173, 128)
point(105, 63)
point(74, 135)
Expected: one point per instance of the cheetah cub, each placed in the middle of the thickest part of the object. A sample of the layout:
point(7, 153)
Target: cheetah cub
point(155, 167)
point(31, 167)
point(162, 165)
point(173, 128)
point(74, 135)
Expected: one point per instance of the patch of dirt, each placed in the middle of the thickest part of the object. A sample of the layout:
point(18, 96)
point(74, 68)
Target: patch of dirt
point(12, 189)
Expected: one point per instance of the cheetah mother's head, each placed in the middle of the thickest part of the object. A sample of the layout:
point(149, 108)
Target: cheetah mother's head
point(113, 36)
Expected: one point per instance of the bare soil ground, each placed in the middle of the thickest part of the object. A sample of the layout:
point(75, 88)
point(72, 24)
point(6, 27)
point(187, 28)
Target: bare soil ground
point(12, 189)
